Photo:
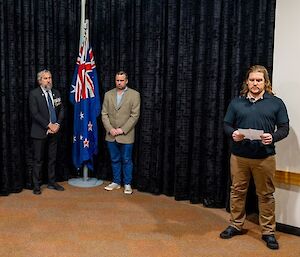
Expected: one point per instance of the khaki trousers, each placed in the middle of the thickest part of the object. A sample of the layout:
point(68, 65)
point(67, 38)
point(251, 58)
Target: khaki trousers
point(263, 172)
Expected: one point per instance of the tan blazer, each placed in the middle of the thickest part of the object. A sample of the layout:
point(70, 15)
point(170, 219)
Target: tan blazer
point(125, 116)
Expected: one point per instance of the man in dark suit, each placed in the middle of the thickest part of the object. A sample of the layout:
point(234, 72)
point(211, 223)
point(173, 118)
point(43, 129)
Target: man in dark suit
point(47, 113)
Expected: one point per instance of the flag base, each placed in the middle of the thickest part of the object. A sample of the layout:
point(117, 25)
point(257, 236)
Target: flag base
point(85, 182)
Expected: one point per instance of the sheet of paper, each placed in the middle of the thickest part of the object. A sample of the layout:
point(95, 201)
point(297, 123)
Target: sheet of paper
point(252, 134)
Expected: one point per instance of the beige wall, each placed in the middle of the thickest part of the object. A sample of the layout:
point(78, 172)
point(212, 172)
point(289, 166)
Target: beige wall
point(286, 79)
point(286, 85)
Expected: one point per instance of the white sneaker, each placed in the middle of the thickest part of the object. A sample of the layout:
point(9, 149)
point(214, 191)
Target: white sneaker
point(127, 189)
point(112, 186)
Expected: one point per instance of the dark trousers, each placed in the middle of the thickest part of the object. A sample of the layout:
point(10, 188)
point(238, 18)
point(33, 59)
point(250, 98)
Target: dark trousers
point(41, 147)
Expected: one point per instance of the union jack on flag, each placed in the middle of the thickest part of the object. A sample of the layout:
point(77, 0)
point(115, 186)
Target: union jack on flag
point(84, 95)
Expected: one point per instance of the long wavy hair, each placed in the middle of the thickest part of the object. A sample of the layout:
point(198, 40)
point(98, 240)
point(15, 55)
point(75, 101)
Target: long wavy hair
point(257, 68)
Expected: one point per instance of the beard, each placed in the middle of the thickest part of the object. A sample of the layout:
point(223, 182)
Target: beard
point(48, 87)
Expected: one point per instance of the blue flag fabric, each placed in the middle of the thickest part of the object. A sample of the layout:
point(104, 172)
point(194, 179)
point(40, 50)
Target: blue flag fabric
point(85, 97)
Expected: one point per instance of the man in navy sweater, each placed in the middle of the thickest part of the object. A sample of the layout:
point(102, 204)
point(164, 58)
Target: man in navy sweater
point(256, 108)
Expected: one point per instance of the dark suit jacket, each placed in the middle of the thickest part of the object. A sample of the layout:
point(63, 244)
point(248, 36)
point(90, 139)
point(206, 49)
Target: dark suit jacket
point(40, 114)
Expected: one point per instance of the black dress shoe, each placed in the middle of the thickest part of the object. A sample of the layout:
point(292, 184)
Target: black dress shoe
point(230, 232)
point(55, 186)
point(37, 191)
point(271, 241)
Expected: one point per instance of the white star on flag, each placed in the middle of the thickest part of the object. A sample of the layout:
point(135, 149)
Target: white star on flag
point(81, 137)
point(86, 143)
point(90, 126)
point(81, 115)
point(73, 89)
point(74, 139)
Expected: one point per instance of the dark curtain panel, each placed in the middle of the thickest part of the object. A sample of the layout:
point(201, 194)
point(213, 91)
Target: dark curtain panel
point(35, 35)
point(187, 59)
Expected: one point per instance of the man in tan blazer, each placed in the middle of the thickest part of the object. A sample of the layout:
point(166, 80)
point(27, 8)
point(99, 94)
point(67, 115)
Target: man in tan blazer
point(120, 113)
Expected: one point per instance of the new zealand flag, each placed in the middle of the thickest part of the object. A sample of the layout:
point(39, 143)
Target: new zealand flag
point(84, 95)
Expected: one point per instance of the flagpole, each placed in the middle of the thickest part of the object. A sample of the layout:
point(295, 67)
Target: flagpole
point(82, 21)
point(85, 181)
point(82, 35)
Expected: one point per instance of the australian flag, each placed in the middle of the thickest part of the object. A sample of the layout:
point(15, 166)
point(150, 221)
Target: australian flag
point(84, 95)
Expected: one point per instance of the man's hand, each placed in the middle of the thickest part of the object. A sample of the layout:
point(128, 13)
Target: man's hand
point(53, 128)
point(237, 136)
point(266, 138)
point(119, 131)
point(116, 132)
point(113, 132)
point(49, 132)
